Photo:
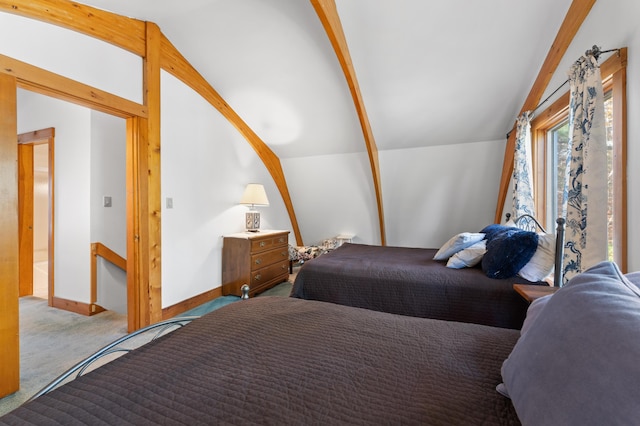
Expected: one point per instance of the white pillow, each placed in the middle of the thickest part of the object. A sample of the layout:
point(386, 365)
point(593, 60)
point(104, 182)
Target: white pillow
point(457, 243)
point(543, 260)
point(468, 257)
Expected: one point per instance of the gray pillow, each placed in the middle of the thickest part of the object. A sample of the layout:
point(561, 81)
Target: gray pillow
point(579, 361)
point(634, 277)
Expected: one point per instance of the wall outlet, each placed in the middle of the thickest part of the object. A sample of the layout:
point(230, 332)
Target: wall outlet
point(106, 201)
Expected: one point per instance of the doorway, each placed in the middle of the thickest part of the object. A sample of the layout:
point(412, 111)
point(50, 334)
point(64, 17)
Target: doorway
point(35, 206)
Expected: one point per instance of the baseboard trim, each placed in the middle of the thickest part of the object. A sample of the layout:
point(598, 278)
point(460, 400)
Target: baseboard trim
point(185, 305)
point(81, 308)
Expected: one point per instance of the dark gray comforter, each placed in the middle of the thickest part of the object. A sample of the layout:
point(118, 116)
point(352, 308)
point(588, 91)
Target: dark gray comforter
point(278, 361)
point(408, 281)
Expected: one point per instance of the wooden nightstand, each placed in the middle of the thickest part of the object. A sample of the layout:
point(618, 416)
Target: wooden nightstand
point(533, 292)
point(259, 259)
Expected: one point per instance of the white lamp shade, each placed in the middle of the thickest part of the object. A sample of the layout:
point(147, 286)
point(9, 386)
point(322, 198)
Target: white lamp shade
point(254, 195)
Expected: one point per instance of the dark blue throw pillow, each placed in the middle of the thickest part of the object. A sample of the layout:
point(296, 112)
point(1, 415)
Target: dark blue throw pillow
point(491, 231)
point(508, 251)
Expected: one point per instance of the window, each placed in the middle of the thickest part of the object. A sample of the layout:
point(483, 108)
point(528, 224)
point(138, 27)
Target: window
point(550, 139)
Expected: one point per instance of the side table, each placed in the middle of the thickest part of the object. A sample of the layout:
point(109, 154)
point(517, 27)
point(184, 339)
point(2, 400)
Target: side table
point(532, 292)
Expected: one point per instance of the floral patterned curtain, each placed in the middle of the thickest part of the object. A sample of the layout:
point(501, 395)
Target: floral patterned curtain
point(585, 194)
point(523, 169)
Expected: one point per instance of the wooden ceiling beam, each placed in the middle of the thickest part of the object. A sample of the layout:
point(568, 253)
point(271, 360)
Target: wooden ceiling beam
point(574, 18)
point(126, 33)
point(328, 14)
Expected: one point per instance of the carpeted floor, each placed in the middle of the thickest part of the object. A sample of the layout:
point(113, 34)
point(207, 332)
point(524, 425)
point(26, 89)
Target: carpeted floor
point(53, 340)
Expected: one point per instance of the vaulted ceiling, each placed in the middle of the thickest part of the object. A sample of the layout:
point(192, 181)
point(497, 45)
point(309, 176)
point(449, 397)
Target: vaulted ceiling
point(430, 72)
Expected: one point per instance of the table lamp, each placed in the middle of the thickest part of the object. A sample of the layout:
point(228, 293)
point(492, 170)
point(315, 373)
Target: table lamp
point(254, 195)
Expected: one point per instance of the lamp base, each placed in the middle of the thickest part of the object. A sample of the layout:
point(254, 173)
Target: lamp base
point(252, 221)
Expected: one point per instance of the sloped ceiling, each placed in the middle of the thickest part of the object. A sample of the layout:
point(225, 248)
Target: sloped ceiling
point(430, 72)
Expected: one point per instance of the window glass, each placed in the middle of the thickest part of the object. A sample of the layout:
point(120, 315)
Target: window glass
point(559, 140)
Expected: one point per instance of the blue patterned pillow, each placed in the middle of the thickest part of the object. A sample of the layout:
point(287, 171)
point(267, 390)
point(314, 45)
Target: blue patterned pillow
point(490, 231)
point(508, 251)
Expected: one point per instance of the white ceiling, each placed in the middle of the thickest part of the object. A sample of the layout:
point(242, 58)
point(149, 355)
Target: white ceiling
point(430, 72)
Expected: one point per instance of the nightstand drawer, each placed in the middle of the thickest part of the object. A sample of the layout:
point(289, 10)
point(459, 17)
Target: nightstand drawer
point(268, 243)
point(263, 259)
point(264, 275)
point(258, 259)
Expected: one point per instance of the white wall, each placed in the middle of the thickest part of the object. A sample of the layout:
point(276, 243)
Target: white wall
point(433, 193)
point(109, 224)
point(612, 24)
point(72, 176)
point(333, 194)
point(205, 167)
point(72, 55)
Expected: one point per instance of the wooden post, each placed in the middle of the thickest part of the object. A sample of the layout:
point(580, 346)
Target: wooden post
point(9, 331)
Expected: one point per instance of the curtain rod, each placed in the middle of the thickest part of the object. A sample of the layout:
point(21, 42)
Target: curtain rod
point(595, 52)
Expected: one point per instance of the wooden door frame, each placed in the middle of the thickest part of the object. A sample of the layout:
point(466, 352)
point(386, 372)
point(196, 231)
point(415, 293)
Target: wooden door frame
point(38, 80)
point(26, 142)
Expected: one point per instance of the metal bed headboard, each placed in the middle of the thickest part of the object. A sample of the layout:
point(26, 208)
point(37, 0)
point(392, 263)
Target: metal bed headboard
point(529, 223)
point(118, 346)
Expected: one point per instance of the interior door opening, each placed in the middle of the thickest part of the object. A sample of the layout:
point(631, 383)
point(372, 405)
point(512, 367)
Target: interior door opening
point(35, 180)
point(41, 221)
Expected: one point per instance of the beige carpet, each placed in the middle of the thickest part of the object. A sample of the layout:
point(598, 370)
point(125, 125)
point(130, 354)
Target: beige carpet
point(53, 340)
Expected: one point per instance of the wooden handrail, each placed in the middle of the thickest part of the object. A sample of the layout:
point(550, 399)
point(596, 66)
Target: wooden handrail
point(99, 249)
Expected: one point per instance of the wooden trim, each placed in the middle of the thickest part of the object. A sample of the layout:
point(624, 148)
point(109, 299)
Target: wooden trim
point(185, 305)
point(137, 220)
point(52, 203)
point(151, 66)
point(328, 14)
point(47, 83)
point(121, 31)
point(9, 307)
point(174, 63)
point(576, 14)
point(25, 218)
point(99, 249)
point(42, 135)
point(86, 309)
point(620, 229)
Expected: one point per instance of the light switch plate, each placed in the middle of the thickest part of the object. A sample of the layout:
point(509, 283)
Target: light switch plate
point(106, 201)
point(169, 202)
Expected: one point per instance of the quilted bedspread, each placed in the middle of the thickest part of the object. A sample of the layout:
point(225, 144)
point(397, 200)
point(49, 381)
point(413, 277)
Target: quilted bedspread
point(275, 360)
point(408, 281)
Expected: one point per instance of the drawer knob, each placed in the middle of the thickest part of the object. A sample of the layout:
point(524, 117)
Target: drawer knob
point(258, 261)
point(283, 266)
point(281, 240)
point(283, 253)
point(262, 243)
point(258, 277)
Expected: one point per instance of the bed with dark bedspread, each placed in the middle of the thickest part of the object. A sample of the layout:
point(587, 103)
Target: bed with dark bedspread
point(407, 281)
point(275, 360)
